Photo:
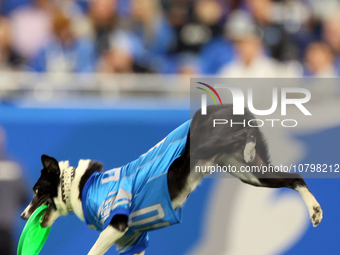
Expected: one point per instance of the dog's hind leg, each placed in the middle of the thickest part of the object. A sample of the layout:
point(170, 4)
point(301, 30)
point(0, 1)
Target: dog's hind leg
point(295, 182)
point(274, 180)
point(313, 206)
point(115, 230)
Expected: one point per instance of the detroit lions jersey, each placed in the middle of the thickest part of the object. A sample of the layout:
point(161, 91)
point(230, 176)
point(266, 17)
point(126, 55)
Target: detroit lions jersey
point(138, 190)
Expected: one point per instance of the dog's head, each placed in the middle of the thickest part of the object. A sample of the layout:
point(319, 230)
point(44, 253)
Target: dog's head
point(46, 191)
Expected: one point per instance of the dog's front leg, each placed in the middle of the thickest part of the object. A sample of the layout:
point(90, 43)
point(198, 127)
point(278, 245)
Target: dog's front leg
point(141, 253)
point(106, 239)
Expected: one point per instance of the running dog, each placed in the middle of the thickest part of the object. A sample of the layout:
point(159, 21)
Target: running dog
point(125, 203)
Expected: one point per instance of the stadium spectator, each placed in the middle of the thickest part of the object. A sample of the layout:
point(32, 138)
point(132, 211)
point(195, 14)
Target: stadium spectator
point(216, 53)
point(118, 58)
point(196, 24)
point(31, 27)
point(275, 38)
point(319, 61)
point(218, 50)
point(251, 59)
point(103, 16)
point(9, 59)
point(65, 52)
point(81, 23)
point(180, 15)
point(12, 196)
point(331, 35)
point(151, 36)
point(205, 34)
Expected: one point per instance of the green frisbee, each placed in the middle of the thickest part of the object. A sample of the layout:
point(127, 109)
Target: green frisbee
point(33, 237)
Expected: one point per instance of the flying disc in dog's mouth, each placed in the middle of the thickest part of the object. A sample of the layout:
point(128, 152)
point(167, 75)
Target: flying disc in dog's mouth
point(46, 216)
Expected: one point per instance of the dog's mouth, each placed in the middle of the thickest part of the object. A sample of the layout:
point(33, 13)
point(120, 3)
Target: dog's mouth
point(46, 215)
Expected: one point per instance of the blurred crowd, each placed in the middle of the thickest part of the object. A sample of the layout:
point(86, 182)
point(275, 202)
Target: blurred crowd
point(232, 38)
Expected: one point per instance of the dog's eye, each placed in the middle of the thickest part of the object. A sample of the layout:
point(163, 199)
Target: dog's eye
point(42, 191)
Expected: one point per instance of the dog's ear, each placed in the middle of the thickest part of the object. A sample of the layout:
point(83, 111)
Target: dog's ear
point(50, 164)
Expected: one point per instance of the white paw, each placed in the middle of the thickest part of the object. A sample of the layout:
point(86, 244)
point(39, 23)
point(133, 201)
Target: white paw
point(316, 215)
point(249, 152)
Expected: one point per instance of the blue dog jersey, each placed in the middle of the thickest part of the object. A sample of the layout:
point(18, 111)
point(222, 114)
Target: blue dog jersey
point(138, 190)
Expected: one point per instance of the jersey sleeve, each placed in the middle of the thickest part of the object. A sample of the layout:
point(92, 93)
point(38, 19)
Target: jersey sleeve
point(119, 210)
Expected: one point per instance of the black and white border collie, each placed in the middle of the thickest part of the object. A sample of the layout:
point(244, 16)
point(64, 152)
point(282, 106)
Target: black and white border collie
point(230, 146)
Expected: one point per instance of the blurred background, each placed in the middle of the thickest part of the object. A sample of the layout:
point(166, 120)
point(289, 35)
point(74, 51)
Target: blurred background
point(289, 38)
point(108, 79)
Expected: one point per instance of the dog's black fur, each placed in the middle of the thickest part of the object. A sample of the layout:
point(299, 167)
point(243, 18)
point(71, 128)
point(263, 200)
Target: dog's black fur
point(94, 166)
point(47, 186)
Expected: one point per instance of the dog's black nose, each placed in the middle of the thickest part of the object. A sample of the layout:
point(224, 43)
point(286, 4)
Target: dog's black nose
point(23, 216)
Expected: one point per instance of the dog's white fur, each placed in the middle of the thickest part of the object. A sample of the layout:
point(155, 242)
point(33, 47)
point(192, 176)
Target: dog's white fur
point(75, 201)
point(249, 152)
point(105, 240)
point(313, 206)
